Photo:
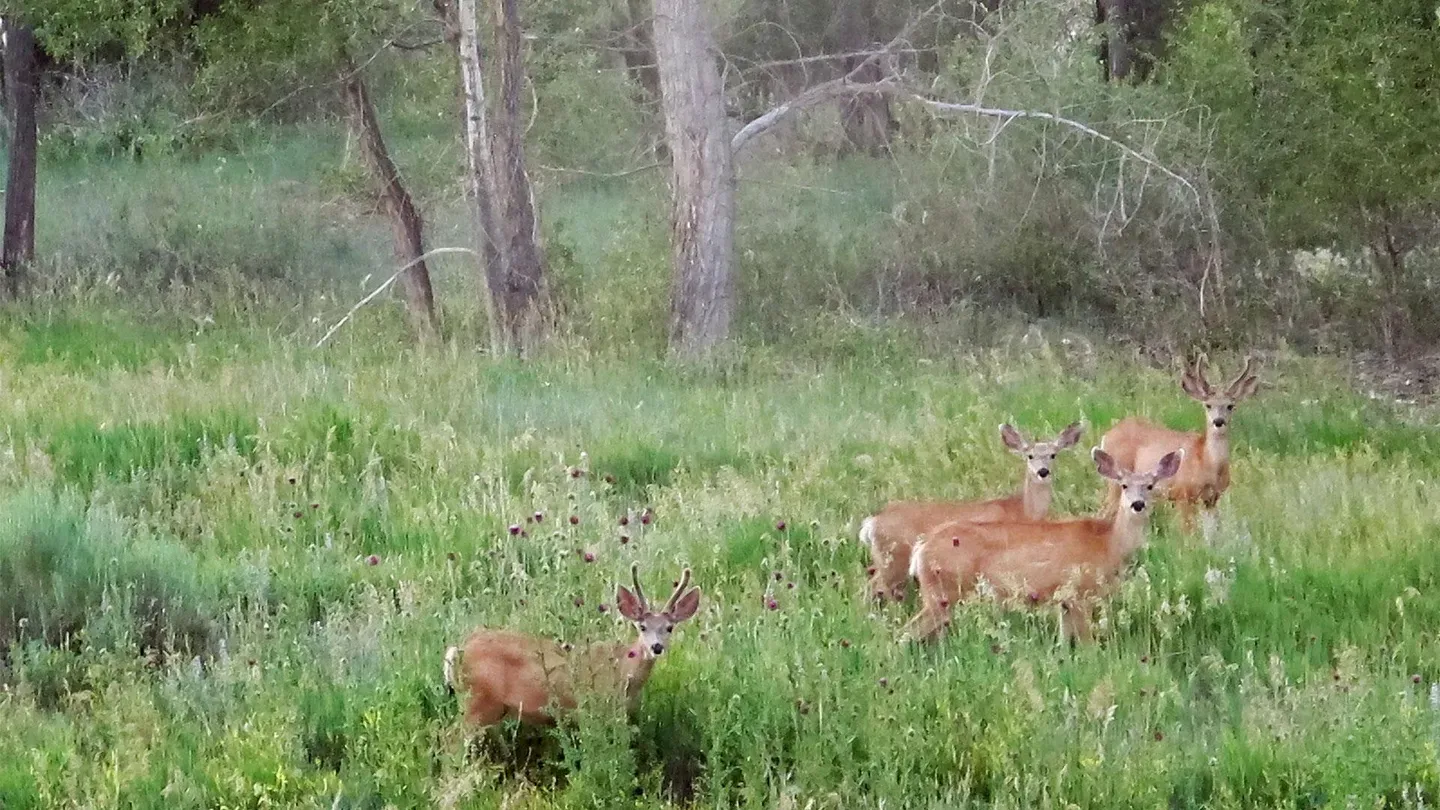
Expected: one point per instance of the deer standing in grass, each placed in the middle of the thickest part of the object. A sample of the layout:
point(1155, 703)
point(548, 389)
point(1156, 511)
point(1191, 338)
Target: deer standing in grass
point(891, 533)
point(508, 674)
point(1066, 562)
point(1205, 474)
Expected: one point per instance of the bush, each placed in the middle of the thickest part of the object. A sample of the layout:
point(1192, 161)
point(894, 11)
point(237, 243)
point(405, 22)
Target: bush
point(70, 576)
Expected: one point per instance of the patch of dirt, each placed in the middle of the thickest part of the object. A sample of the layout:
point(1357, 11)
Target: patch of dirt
point(1413, 380)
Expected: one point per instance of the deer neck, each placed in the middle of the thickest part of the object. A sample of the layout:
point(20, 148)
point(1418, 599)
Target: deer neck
point(1127, 533)
point(635, 664)
point(1035, 497)
point(1215, 449)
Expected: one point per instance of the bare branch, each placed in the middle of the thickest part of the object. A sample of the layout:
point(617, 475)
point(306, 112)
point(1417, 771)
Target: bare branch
point(385, 285)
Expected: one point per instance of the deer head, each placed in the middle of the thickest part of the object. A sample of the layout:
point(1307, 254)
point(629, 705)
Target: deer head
point(1040, 456)
point(656, 626)
point(1219, 405)
point(1135, 488)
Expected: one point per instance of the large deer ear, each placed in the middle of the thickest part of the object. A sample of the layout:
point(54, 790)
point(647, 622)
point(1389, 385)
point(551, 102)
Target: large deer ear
point(685, 606)
point(1070, 435)
point(1106, 465)
point(629, 604)
point(1012, 438)
point(1169, 465)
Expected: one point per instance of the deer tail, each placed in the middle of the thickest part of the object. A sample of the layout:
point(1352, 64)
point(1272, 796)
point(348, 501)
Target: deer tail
point(867, 532)
point(452, 659)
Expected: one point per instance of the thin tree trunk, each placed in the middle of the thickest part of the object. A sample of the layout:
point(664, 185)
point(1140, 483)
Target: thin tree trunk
point(639, 56)
point(866, 118)
point(520, 239)
point(702, 298)
point(1115, 45)
point(406, 224)
point(22, 82)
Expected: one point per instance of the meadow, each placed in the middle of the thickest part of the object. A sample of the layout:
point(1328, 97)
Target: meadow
point(230, 562)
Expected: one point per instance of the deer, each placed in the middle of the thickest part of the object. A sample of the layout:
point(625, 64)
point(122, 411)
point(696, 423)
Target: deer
point(890, 534)
point(1205, 474)
point(508, 674)
point(1070, 562)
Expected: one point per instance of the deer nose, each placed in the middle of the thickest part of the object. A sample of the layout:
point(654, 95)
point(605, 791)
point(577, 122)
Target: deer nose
point(1043, 472)
point(1138, 506)
point(657, 648)
point(1219, 423)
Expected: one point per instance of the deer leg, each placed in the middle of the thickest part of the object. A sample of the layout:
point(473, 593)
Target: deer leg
point(484, 712)
point(896, 571)
point(938, 592)
point(1186, 508)
point(1075, 622)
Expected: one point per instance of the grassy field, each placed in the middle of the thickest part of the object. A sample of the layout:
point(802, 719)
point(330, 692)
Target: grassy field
point(316, 526)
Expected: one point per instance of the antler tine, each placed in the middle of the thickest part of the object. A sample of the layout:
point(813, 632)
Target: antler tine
point(679, 590)
point(1201, 361)
point(639, 591)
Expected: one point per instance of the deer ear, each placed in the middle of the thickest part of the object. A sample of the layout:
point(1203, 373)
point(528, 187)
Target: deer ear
point(629, 605)
point(1106, 465)
point(1169, 465)
point(1070, 435)
point(1012, 438)
point(685, 606)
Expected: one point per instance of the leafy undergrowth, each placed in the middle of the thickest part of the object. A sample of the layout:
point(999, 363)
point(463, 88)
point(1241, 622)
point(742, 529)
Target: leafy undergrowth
point(230, 583)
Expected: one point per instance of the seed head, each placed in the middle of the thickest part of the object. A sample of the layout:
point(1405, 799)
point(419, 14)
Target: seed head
point(624, 539)
point(539, 517)
point(574, 520)
point(589, 557)
point(845, 642)
point(1415, 678)
point(579, 601)
point(647, 517)
point(373, 559)
point(780, 526)
point(624, 520)
point(514, 529)
point(771, 604)
point(603, 608)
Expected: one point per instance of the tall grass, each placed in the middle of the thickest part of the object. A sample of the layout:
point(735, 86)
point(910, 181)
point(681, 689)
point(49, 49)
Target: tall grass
point(346, 513)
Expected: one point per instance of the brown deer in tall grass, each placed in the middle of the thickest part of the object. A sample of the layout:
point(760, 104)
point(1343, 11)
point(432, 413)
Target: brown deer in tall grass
point(1066, 562)
point(891, 533)
point(508, 674)
point(1205, 474)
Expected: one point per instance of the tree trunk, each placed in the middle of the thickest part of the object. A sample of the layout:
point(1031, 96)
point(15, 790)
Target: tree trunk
point(1115, 43)
point(702, 298)
point(639, 55)
point(23, 84)
point(407, 226)
point(865, 117)
point(459, 19)
point(520, 239)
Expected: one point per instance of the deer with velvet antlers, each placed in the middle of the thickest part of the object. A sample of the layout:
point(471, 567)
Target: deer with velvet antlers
point(1205, 474)
point(1069, 563)
point(891, 533)
point(509, 674)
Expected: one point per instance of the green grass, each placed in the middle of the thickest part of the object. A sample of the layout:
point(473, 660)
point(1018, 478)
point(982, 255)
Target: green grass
point(231, 493)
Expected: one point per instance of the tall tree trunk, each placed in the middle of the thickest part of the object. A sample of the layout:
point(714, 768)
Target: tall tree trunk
point(495, 177)
point(22, 82)
point(520, 238)
point(639, 55)
point(405, 221)
point(865, 117)
point(702, 297)
point(1115, 45)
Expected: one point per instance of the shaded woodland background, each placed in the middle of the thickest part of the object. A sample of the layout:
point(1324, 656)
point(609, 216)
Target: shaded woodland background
point(1251, 173)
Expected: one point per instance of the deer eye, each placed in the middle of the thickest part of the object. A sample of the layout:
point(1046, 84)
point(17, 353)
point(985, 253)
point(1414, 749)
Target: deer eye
point(1149, 487)
point(669, 628)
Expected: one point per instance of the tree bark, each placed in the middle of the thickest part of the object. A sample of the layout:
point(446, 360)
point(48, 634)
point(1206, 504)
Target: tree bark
point(520, 238)
point(702, 298)
point(459, 19)
point(639, 56)
point(406, 224)
point(22, 83)
point(866, 118)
